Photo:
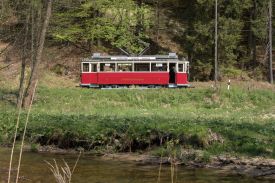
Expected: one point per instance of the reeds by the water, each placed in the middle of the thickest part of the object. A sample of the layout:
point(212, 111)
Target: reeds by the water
point(173, 167)
point(62, 174)
point(173, 171)
point(160, 167)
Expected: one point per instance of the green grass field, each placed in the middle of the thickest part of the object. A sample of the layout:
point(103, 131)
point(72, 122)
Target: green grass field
point(236, 122)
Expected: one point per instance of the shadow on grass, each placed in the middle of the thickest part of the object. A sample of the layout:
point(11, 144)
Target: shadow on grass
point(140, 133)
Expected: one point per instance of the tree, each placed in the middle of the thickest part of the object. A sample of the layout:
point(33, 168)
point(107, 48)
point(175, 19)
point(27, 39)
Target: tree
point(23, 65)
point(200, 38)
point(120, 23)
point(188, 26)
point(35, 69)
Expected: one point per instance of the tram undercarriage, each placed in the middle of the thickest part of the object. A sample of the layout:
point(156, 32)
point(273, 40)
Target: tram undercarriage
point(135, 86)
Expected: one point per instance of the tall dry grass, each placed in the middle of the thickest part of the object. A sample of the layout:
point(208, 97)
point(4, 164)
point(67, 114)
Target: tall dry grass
point(14, 138)
point(24, 134)
point(62, 174)
point(23, 138)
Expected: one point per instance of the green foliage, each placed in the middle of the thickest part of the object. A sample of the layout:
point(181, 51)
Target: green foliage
point(185, 26)
point(115, 22)
point(239, 22)
point(206, 157)
point(133, 120)
point(34, 147)
point(231, 72)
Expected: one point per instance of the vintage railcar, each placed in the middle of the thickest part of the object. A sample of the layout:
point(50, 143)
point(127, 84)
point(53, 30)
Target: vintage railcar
point(150, 71)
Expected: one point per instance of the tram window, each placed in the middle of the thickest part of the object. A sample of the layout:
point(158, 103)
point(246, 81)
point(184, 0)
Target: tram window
point(125, 67)
point(180, 68)
point(159, 67)
point(107, 67)
point(187, 67)
point(94, 67)
point(142, 66)
point(85, 67)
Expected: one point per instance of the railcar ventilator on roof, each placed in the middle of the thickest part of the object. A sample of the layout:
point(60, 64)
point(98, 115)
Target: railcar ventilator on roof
point(150, 71)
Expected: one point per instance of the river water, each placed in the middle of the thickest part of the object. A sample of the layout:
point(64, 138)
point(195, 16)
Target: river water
point(92, 169)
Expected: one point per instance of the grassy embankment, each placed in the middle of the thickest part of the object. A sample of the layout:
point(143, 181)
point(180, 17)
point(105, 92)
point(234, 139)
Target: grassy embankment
point(239, 122)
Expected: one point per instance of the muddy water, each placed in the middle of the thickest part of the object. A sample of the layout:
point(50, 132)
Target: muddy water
point(95, 170)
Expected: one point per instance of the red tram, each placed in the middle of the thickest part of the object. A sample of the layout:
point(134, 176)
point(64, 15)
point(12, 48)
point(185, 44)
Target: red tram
point(126, 71)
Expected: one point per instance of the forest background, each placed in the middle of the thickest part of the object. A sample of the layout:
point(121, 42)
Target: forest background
point(182, 26)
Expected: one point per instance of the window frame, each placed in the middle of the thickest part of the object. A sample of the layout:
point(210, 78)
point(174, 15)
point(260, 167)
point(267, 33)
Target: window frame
point(183, 67)
point(96, 64)
point(167, 64)
point(150, 68)
point(117, 64)
point(82, 67)
point(99, 65)
point(187, 67)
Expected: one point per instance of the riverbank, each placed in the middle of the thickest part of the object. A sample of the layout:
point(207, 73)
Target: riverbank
point(206, 122)
point(251, 167)
point(107, 169)
point(257, 167)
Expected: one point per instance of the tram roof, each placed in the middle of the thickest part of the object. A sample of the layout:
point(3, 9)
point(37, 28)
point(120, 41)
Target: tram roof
point(98, 57)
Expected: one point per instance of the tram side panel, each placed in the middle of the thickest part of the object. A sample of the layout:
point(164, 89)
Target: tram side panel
point(181, 78)
point(133, 78)
point(88, 78)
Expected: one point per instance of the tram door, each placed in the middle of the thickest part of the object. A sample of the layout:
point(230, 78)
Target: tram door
point(172, 72)
point(94, 71)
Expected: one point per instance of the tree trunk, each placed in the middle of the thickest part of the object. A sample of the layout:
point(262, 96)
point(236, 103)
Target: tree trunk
point(23, 65)
point(2, 7)
point(99, 42)
point(157, 20)
point(270, 43)
point(2, 10)
point(36, 32)
point(253, 37)
point(32, 36)
point(35, 70)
